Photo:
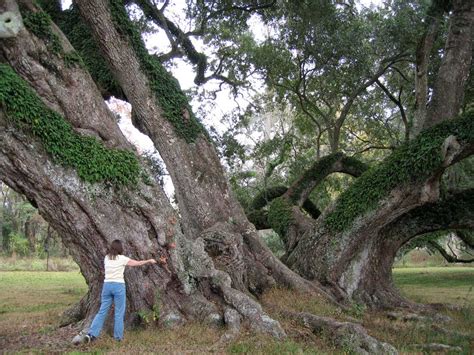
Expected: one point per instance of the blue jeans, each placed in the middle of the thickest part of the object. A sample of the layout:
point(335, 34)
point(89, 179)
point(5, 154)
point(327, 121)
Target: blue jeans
point(111, 291)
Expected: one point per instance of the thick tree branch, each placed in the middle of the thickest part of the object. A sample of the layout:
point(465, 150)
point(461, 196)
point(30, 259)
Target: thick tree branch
point(423, 53)
point(300, 190)
point(466, 238)
point(453, 212)
point(448, 90)
point(176, 37)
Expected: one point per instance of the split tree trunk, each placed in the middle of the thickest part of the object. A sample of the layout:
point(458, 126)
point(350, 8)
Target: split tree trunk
point(207, 205)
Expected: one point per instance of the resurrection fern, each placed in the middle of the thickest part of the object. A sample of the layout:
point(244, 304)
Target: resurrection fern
point(166, 88)
point(412, 162)
point(81, 38)
point(39, 23)
point(92, 161)
point(280, 216)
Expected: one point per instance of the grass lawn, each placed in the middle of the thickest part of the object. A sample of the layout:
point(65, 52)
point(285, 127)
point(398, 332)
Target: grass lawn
point(437, 284)
point(31, 304)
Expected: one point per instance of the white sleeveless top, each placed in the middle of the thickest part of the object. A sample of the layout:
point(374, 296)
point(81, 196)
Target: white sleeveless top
point(114, 268)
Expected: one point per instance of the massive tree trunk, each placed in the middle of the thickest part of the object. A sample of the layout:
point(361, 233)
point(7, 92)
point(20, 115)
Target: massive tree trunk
point(160, 109)
point(66, 154)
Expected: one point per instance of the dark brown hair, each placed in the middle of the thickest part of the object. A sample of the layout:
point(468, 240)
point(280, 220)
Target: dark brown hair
point(115, 249)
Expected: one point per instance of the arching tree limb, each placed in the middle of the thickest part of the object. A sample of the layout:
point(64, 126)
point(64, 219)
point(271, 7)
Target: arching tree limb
point(466, 238)
point(350, 237)
point(300, 190)
point(454, 212)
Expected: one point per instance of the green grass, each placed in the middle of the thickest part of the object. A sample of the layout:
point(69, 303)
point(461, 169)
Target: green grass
point(31, 304)
point(37, 264)
point(26, 292)
point(437, 284)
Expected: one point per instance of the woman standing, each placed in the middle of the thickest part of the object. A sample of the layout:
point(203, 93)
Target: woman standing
point(112, 291)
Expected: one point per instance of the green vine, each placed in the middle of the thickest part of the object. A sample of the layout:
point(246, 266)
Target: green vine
point(93, 162)
point(169, 95)
point(413, 162)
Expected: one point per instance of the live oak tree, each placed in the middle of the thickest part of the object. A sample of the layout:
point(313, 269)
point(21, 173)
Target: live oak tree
point(347, 247)
point(61, 147)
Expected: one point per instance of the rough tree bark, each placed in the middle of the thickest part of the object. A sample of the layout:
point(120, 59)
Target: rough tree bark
point(448, 90)
point(423, 54)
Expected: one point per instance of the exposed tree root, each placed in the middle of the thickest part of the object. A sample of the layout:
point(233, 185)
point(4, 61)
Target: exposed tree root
point(414, 317)
point(436, 347)
point(349, 336)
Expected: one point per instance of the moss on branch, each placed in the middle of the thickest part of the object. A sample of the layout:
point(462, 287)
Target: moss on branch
point(88, 51)
point(413, 162)
point(93, 162)
point(280, 216)
point(40, 24)
point(267, 195)
point(169, 95)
